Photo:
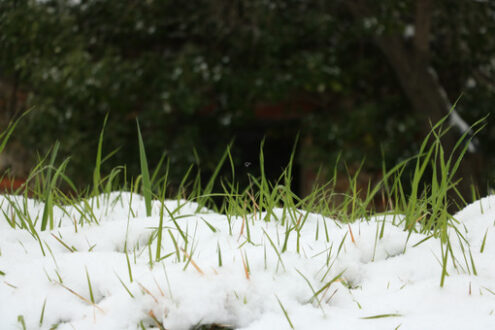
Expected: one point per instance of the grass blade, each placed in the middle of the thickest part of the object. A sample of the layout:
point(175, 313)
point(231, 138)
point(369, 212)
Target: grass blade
point(145, 175)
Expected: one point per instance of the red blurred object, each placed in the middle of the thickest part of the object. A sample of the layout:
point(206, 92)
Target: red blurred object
point(11, 184)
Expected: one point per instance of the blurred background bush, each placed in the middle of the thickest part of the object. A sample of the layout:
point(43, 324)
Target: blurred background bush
point(355, 78)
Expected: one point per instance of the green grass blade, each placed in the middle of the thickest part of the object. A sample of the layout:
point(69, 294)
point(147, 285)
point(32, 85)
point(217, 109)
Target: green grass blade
point(91, 296)
point(144, 172)
point(96, 171)
point(285, 312)
point(5, 135)
point(42, 313)
point(381, 316)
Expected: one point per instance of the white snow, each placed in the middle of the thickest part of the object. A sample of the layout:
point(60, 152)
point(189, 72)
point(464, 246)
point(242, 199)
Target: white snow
point(380, 276)
point(409, 31)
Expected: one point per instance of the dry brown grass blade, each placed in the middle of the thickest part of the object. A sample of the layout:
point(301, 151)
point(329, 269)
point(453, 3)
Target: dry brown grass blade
point(246, 270)
point(352, 235)
point(331, 296)
point(147, 292)
point(12, 216)
point(387, 202)
point(255, 205)
point(298, 221)
point(242, 227)
point(63, 243)
point(158, 286)
point(81, 297)
point(192, 262)
point(158, 323)
point(11, 285)
point(75, 224)
point(416, 221)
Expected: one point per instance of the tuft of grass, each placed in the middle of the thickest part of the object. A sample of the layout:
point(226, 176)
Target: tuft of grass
point(424, 205)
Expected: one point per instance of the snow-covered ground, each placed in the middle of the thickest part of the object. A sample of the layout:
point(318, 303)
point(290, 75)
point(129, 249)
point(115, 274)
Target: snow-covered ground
point(384, 284)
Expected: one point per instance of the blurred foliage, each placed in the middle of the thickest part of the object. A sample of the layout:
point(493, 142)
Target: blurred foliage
point(194, 73)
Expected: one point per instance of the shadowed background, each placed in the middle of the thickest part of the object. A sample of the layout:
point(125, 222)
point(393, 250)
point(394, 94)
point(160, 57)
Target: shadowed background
point(355, 79)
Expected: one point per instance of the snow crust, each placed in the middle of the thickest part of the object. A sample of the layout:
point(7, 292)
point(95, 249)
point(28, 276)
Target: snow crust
point(385, 283)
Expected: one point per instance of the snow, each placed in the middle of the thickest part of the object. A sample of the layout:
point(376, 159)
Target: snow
point(409, 31)
point(379, 276)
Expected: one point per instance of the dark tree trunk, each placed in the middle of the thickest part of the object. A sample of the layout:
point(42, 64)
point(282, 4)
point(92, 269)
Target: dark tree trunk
point(421, 86)
point(428, 100)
